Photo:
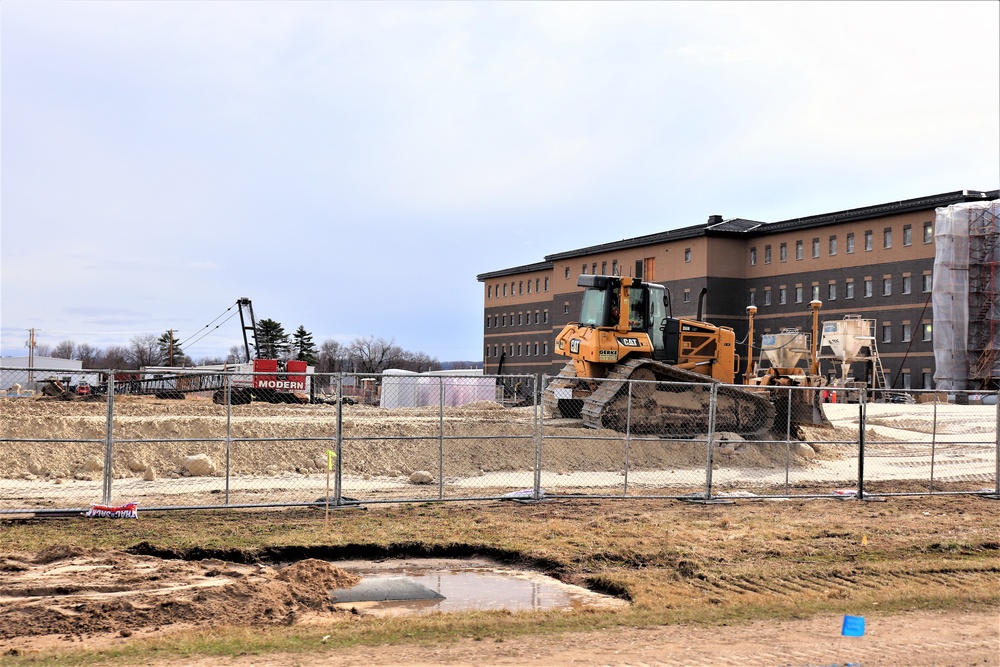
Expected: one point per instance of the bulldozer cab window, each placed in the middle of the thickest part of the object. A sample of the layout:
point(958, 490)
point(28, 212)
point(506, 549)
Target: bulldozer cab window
point(657, 319)
point(637, 308)
point(595, 310)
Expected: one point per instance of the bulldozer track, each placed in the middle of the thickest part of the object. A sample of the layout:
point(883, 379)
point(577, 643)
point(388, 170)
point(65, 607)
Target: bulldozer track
point(662, 406)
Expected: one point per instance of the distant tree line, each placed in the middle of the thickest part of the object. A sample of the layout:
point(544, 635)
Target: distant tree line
point(365, 354)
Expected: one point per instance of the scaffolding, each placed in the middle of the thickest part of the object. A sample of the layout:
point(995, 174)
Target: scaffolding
point(966, 296)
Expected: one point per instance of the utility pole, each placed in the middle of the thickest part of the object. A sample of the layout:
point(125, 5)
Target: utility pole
point(31, 354)
point(170, 356)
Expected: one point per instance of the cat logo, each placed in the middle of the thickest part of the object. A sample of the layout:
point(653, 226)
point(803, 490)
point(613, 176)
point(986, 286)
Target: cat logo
point(628, 342)
point(574, 346)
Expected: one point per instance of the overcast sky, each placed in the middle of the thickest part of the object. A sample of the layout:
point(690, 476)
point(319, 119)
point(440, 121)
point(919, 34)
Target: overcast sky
point(351, 167)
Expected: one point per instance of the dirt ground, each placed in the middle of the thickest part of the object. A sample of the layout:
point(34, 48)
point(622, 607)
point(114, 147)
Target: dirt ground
point(71, 598)
point(379, 442)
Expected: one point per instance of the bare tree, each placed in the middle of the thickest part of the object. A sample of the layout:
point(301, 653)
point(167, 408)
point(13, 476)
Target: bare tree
point(374, 355)
point(63, 350)
point(237, 355)
point(88, 355)
point(419, 362)
point(333, 357)
point(212, 361)
point(42, 350)
point(116, 357)
point(144, 351)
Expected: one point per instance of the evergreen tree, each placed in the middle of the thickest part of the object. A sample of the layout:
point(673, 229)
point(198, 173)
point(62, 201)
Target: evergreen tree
point(170, 349)
point(272, 341)
point(302, 344)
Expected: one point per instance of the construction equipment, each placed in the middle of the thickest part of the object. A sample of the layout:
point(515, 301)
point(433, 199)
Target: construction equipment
point(626, 332)
point(783, 351)
point(267, 380)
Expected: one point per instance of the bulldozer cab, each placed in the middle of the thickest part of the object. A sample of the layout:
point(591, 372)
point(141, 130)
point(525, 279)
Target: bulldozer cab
point(630, 307)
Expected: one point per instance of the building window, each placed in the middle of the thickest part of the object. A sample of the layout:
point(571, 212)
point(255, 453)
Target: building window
point(536, 349)
point(887, 237)
point(868, 241)
point(537, 316)
point(505, 289)
point(753, 256)
point(831, 292)
point(494, 321)
point(567, 273)
point(850, 243)
point(928, 232)
point(782, 295)
point(489, 320)
point(905, 376)
point(815, 248)
point(547, 281)
point(887, 287)
point(512, 288)
point(489, 291)
point(926, 281)
point(529, 287)
point(584, 269)
point(604, 268)
point(767, 296)
point(815, 292)
point(519, 349)
point(907, 235)
point(886, 332)
point(907, 284)
point(868, 287)
point(687, 254)
point(545, 317)
point(783, 252)
point(520, 287)
point(833, 246)
point(537, 281)
point(906, 333)
point(928, 380)
point(687, 296)
point(849, 290)
point(798, 250)
point(927, 331)
point(798, 294)
point(767, 254)
point(614, 267)
point(520, 319)
point(495, 351)
point(545, 348)
point(753, 298)
point(593, 268)
point(503, 321)
point(566, 308)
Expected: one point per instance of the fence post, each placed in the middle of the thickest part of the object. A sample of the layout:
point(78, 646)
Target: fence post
point(440, 438)
point(713, 397)
point(628, 434)
point(862, 404)
point(539, 426)
point(109, 441)
point(933, 443)
point(788, 438)
point(996, 480)
point(228, 380)
point(338, 469)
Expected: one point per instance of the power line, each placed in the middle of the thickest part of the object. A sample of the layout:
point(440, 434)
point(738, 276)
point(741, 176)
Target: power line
point(195, 334)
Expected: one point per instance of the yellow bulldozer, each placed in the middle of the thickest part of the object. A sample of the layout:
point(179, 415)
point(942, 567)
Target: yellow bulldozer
point(626, 332)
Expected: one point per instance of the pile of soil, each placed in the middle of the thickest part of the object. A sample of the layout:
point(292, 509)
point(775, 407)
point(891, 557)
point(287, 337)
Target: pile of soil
point(157, 435)
point(67, 590)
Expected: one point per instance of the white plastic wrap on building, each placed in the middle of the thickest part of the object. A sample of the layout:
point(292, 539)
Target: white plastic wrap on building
point(960, 250)
point(406, 389)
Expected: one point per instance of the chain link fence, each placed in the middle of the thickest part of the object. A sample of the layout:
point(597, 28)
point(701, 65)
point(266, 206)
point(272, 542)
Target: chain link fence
point(205, 439)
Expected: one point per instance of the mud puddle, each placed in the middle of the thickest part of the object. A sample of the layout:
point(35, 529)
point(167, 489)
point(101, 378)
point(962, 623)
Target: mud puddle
point(464, 585)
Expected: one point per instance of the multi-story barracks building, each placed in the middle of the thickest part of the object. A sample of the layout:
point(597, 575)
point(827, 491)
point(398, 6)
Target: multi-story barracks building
point(877, 262)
